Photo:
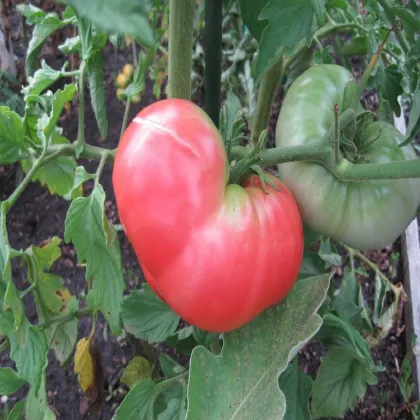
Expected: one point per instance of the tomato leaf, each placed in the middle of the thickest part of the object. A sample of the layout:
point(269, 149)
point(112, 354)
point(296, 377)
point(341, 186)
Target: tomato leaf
point(5, 269)
point(85, 227)
point(175, 410)
point(71, 45)
point(336, 332)
point(250, 13)
point(312, 265)
point(390, 80)
point(170, 367)
point(45, 25)
point(136, 403)
point(243, 380)
point(10, 381)
point(13, 301)
point(413, 56)
point(80, 177)
point(18, 411)
point(58, 175)
point(11, 136)
point(138, 369)
point(42, 79)
point(290, 21)
point(97, 91)
point(341, 379)
point(32, 13)
point(413, 119)
point(296, 387)
point(132, 19)
point(148, 317)
point(319, 9)
point(326, 252)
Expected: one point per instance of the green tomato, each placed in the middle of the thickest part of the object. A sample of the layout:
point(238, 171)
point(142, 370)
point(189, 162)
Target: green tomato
point(361, 214)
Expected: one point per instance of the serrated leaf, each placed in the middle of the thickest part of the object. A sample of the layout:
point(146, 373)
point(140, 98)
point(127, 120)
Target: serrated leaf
point(80, 177)
point(170, 367)
point(43, 29)
point(71, 46)
point(326, 252)
point(132, 19)
point(58, 174)
point(390, 80)
point(242, 382)
point(341, 379)
point(336, 332)
point(138, 369)
point(32, 13)
point(85, 227)
point(10, 381)
point(148, 317)
point(250, 13)
point(413, 119)
point(319, 9)
point(11, 136)
point(36, 405)
point(97, 91)
point(13, 301)
point(42, 79)
point(312, 265)
point(5, 268)
point(136, 403)
point(296, 386)
point(290, 21)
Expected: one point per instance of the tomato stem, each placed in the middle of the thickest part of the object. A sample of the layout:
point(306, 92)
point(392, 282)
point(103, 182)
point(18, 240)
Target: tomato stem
point(270, 82)
point(336, 137)
point(181, 21)
point(81, 129)
point(125, 119)
point(213, 58)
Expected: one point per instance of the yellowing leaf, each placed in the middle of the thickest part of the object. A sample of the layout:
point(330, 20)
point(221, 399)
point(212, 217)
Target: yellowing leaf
point(137, 370)
point(83, 364)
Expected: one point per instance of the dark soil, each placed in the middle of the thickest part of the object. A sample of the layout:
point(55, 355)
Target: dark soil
point(38, 216)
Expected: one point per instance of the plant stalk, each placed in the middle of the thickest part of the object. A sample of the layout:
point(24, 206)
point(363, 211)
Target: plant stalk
point(266, 95)
point(62, 319)
point(81, 129)
point(125, 119)
point(402, 39)
point(213, 58)
point(181, 21)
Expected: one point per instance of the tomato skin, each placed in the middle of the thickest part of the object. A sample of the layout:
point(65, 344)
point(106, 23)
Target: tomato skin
point(361, 214)
point(217, 254)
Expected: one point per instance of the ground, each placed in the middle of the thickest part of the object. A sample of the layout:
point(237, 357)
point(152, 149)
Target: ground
point(38, 216)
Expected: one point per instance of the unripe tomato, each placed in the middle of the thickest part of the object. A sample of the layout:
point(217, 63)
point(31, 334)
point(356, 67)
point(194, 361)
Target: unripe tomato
point(122, 81)
point(136, 98)
point(361, 214)
point(218, 254)
point(120, 94)
point(128, 70)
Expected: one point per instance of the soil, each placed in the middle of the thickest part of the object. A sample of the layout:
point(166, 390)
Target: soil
point(38, 216)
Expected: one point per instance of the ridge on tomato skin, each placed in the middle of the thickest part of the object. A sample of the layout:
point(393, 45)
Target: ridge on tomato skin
point(361, 214)
point(217, 254)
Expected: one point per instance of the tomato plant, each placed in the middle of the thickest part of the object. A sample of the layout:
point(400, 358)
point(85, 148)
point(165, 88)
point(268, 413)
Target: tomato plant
point(259, 162)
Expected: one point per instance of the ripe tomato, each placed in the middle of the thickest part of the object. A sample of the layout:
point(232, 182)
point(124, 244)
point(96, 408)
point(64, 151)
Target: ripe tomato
point(361, 214)
point(218, 254)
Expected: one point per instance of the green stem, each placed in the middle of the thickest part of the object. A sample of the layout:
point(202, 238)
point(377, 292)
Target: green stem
point(125, 119)
point(213, 58)
point(357, 6)
point(348, 171)
point(89, 152)
point(29, 289)
point(81, 130)
point(336, 141)
point(62, 319)
point(159, 388)
point(71, 73)
point(102, 162)
point(21, 187)
point(266, 94)
point(402, 39)
point(181, 21)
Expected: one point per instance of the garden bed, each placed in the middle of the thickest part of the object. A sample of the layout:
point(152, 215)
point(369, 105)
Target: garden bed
point(28, 225)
